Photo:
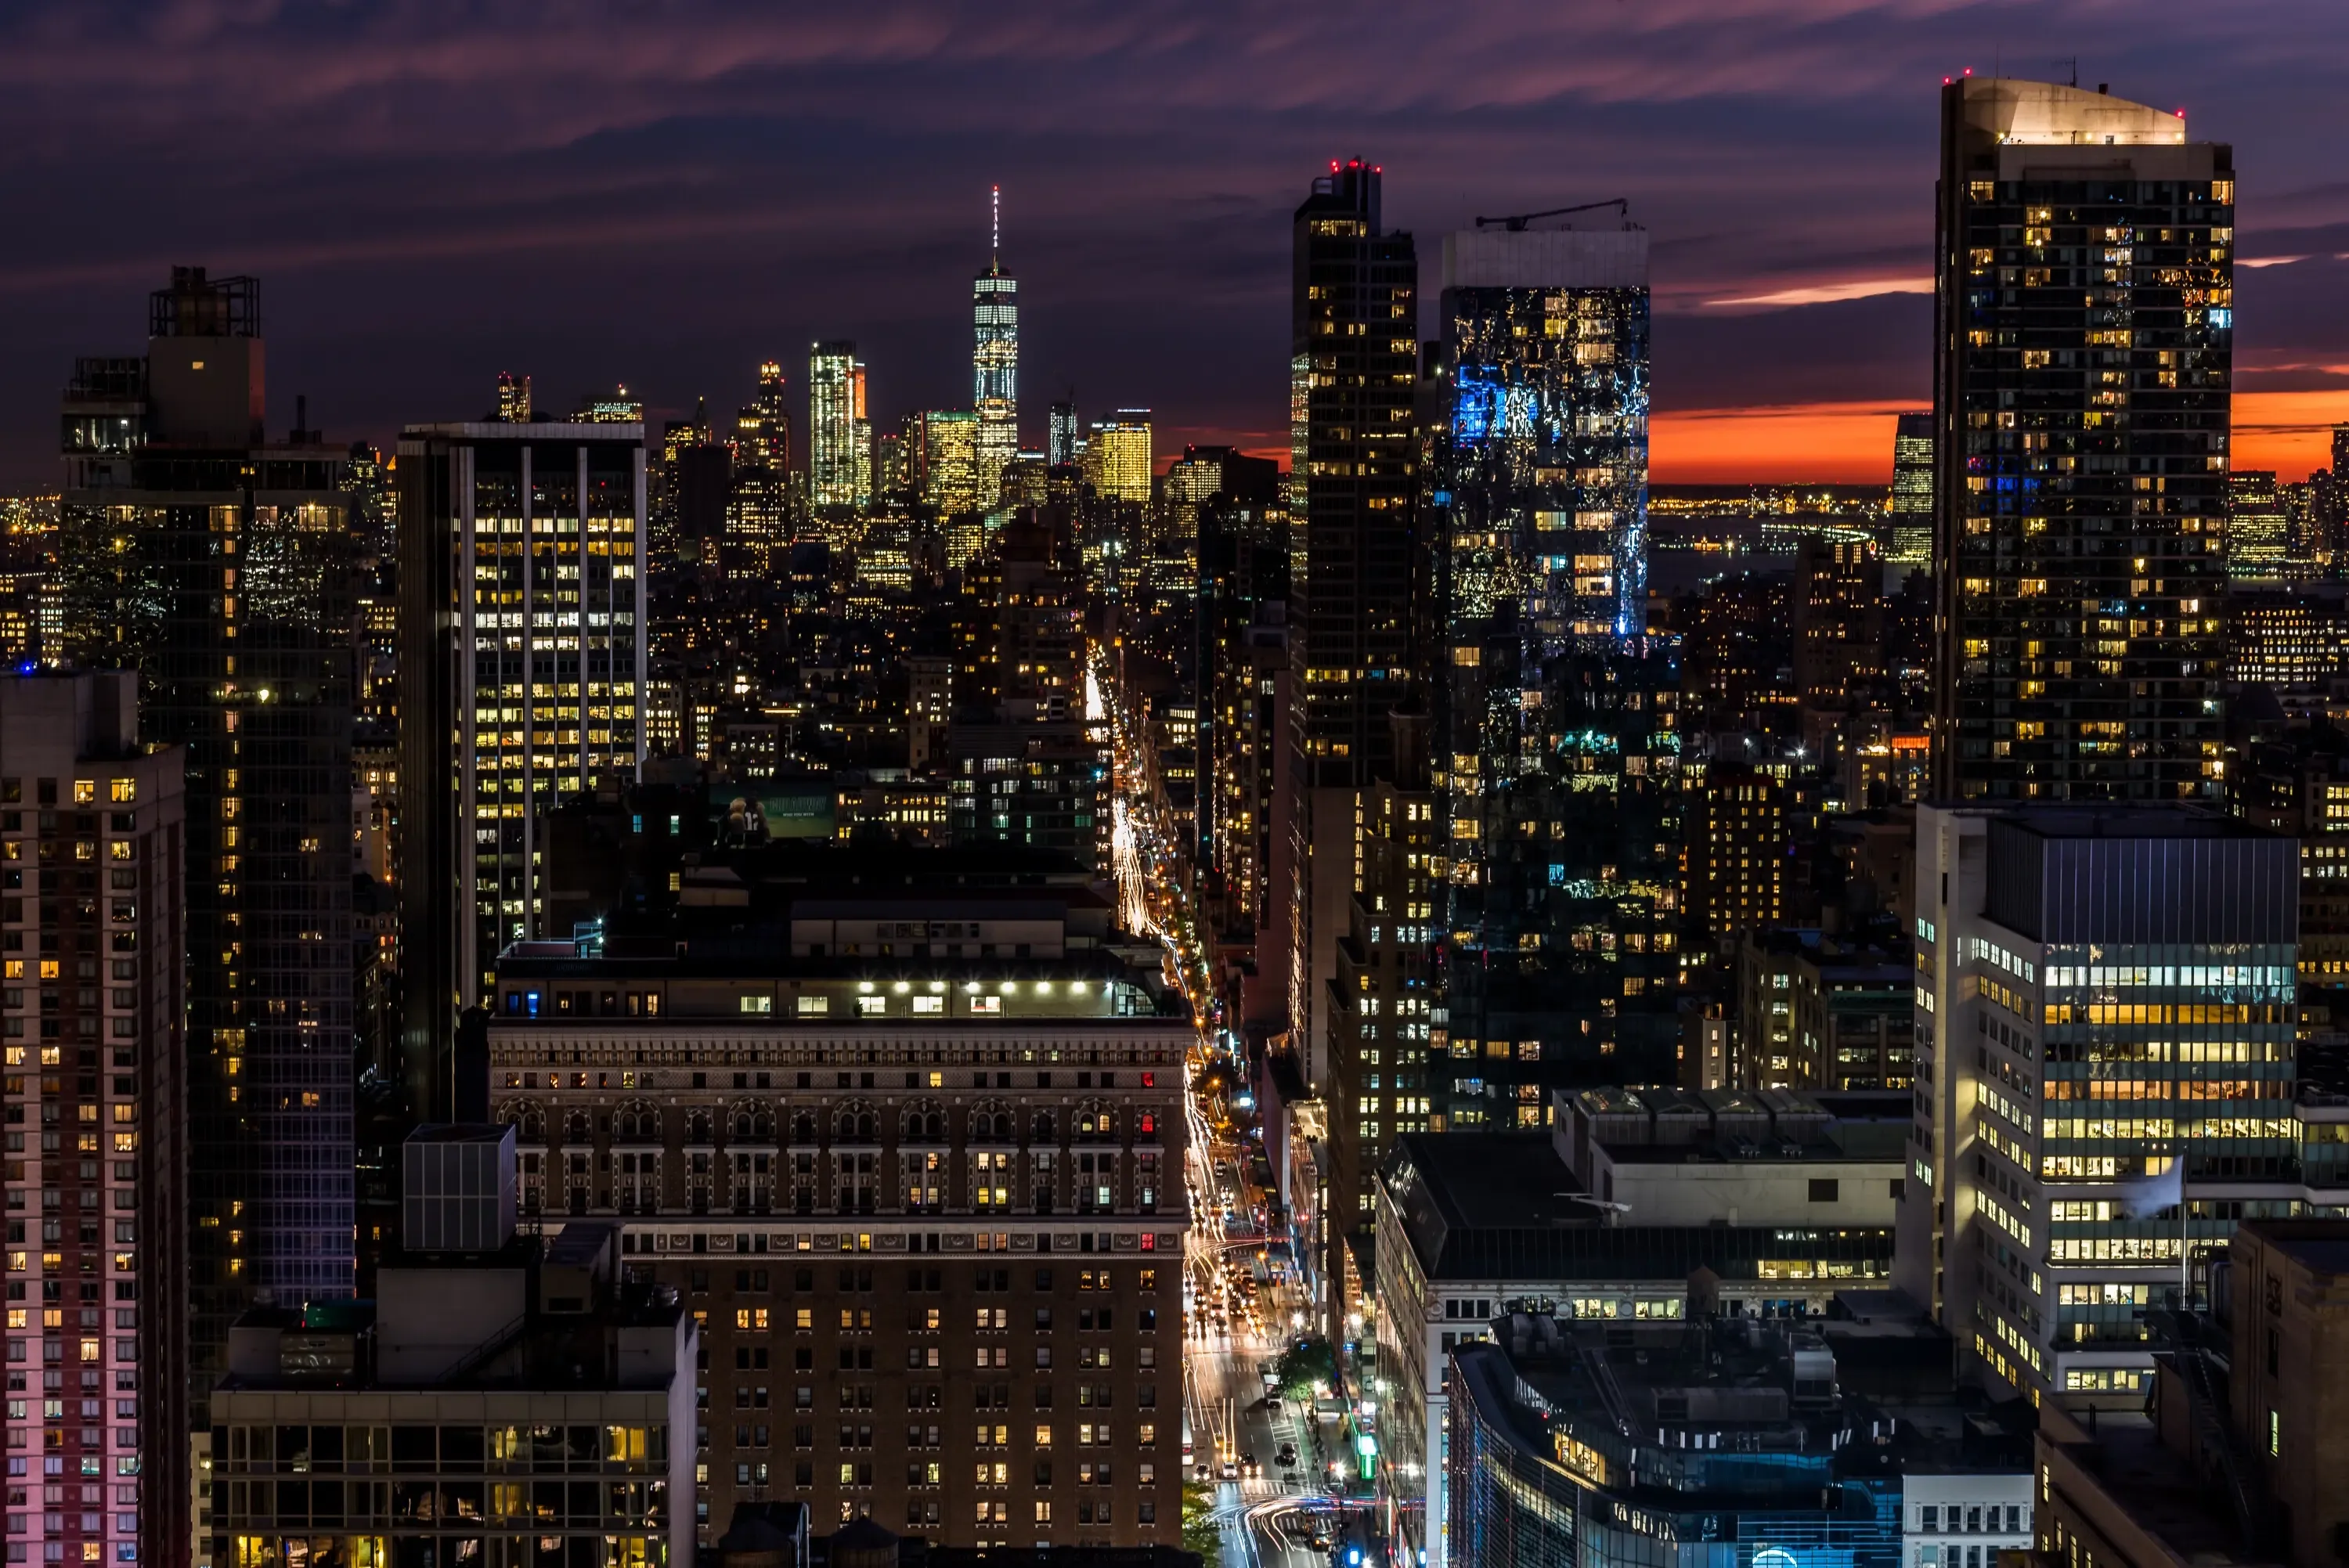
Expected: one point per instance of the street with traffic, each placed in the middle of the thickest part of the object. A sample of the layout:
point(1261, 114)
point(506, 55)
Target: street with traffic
point(1263, 1451)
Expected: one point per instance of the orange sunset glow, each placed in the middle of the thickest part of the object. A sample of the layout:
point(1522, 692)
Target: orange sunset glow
point(1851, 443)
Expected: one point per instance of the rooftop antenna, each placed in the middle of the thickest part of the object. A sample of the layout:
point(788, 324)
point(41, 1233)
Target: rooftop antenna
point(995, 228)
point(2072, 61)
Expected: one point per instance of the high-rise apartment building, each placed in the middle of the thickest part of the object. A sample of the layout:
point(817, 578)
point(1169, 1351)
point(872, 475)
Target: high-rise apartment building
point(218, 563)
point(1246, 691)
point(840, 436)
point(2106, 1015)
point(1381, 1008)
point(1909, 539)
point(1118, 460)
point(2083, 361)
point(1355, 347)
point(523, 666)
point(2259, 535)
point(1735, 879)
point(995, 364)
point(93, 999)
point(915, 1157)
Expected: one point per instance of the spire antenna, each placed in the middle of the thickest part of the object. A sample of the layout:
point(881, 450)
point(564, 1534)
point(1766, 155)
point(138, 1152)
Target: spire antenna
point(995, 226)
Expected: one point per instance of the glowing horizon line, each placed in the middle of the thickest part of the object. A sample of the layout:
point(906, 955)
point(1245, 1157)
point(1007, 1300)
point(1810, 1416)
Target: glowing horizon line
point(1830, 294)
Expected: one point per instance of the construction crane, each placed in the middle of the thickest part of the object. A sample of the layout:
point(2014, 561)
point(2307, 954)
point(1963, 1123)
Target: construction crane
point(1516, 224)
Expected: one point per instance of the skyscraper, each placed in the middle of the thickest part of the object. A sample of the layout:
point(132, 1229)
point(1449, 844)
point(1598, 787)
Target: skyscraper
point(2082, 359)
point(762, 431)
point(522, 667)
point(1118, 458)
point(952, 460)
point(2258, 536)
point(2105, 1013)
point(1546, 345)
point(1354, 342)
point(995, 362)
point(1554, 755)
point(1063, 440)
point(840, 436)
point(86, 806)
point(759, 507)
point(217, 563)
point(1911, 542)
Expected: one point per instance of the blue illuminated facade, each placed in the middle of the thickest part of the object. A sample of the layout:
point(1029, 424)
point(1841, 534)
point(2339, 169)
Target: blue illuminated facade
point(1540, 470)
point(1555, 755)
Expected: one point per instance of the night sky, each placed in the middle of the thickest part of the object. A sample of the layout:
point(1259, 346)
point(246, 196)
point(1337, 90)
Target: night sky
point(667, 193)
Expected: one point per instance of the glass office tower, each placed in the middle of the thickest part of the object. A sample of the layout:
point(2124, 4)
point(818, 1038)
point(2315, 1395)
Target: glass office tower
point(840, 436)
point(2106, 1070)
point(521, 671)
point(219, 565)
point(2082, 351)
point(1544, 458)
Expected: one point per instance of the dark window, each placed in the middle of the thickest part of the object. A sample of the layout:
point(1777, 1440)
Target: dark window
point(1825, 1189)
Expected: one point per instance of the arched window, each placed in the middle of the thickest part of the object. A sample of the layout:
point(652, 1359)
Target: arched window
point(991, 1122)
point(1096, 1122)
point(527, 1119)
point(924, 1123)
point(638, 1122)
point(754, 1121)
point(698, 1127)
point(803, 1127)
point(577, 1129)
point(856, 1124)
point(1045, 1128)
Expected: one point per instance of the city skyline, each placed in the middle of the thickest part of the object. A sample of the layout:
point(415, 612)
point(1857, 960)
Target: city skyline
point(1527, 967)
point(1772, 336)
